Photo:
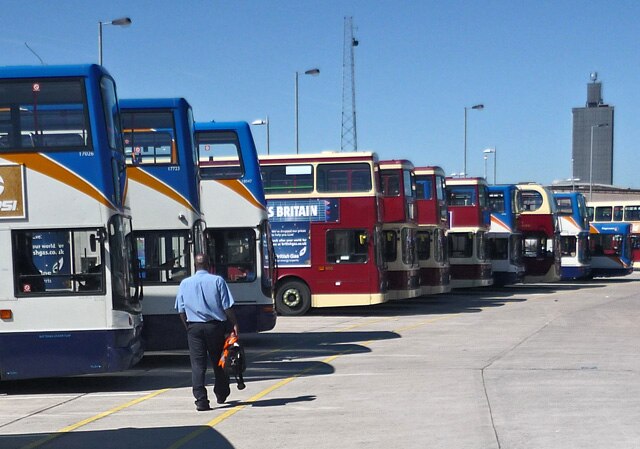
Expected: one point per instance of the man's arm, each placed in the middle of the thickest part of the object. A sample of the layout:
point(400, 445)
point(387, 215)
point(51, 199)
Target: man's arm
point(231, 316)
point(183, 317)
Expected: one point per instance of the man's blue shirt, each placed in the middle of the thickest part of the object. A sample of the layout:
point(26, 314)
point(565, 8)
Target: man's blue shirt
point(203, 297)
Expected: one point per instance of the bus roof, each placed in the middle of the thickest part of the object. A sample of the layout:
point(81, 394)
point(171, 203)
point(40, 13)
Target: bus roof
point(326, 156)
point(153, 103)
point(51, 71)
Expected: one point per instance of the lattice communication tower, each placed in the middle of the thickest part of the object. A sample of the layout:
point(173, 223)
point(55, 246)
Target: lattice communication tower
point(349, 135)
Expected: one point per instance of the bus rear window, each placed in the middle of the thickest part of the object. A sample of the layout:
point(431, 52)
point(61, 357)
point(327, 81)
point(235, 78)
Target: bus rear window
point(564, 206)
point(461, 196)
point(149, 137)
point(36, 114)
point(219, 154)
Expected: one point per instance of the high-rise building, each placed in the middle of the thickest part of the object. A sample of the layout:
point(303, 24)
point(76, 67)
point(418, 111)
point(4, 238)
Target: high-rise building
point(592, 153)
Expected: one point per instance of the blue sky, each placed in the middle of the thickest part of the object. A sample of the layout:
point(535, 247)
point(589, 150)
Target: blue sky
point(419, 63)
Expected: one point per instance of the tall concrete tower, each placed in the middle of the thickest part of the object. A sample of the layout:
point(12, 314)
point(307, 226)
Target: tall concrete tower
point(592, 153)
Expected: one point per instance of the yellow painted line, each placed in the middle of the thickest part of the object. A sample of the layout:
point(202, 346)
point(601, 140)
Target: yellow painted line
point(75, 426)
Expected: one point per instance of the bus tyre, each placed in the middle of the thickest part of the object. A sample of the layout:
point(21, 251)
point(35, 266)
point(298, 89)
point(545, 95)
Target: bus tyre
point(293, 299)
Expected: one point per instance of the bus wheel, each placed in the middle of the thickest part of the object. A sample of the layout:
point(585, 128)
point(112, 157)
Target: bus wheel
point(293, 299)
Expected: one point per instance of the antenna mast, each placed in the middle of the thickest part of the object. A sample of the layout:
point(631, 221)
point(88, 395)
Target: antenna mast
point(349, 136)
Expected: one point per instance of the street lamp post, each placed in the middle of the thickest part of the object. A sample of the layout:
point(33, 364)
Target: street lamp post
point(312, 72)
point(495, 162)
point(263, 122)
point(477, 107)
point(601, 125)
point(123, 22)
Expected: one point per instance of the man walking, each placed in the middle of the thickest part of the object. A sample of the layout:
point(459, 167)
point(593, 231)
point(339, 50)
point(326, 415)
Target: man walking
point(204, 303)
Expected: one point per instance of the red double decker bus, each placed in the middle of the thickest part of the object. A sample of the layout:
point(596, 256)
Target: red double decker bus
point(470, 220)
point(399, 229)
point(538, 223)
point(326, 226)
point(433, 223)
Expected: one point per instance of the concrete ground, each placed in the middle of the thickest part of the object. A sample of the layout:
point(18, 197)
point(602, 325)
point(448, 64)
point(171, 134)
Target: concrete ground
point(532, 366)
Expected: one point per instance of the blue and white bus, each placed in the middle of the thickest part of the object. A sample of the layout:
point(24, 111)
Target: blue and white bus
point(69, 300)
point(504, 239)
point(575, 262)
point(164, 196)
point(610, 245)
point(238, 235)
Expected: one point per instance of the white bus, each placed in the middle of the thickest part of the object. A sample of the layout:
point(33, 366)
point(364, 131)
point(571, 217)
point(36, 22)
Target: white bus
point(165, 205)
point(238, 235)
point(68, 298)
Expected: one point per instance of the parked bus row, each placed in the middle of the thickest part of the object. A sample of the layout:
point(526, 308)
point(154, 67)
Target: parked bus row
point(103, 206)
point(105, 202)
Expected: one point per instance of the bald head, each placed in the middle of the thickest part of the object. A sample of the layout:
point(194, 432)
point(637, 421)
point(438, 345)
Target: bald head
point(202, 261)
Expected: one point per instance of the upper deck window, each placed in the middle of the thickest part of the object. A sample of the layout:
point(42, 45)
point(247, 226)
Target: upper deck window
point(220, 152)
point(390, 183)
point(49, 113)
point(409, 182)
point(496, 202)
point(294, 179)
point(603, 213)
point(349, 177)
point(564, 206)
point(461, 196)
point(632, 213)
point(424, 187)
point(617, 213)
point(149, 137)
point(531, 200)
point(111, 113)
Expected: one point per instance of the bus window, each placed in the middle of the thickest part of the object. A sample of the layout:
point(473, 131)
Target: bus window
point(590, 211)
point(149, 137)
point(423, 245)
point(164, 256)
point(461, 196)
point(564, 206)
point(531, 200)
point(389, 246)
point(223, 148)
point(284, 179)
point(499, 248)
point(58, 262)
point(333, 178)
point(568, 245)
point(460, 244)
point(496, 202)
point(632, 213)
point(391, 184)
point(43, 113)
point(234, 253)
point(409, 255)
point(603, 213)
point(347, 246)
point(423, 188)
point(617, 213)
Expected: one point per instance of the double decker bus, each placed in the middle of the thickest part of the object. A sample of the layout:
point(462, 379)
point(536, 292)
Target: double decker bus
point(504, 240)
point(619, 211)
point(324, 211)
point(238, 235)
point(433, 223)
point(399, 229)
point(163, 193)
point(538, 223)
point(610, 245)
point(575, 260)
point(469, 222)
point(69, 298)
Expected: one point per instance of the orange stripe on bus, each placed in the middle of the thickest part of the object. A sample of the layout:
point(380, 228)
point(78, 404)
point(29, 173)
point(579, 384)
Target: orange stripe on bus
point(48, 167)
point(144, 178)
point(241, 190)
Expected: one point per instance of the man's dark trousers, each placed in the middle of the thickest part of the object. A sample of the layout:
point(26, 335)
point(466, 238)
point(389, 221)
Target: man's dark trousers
point(206, 341)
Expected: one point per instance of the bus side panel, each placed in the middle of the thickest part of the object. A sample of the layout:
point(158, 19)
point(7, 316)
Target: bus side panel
point(27, 355)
